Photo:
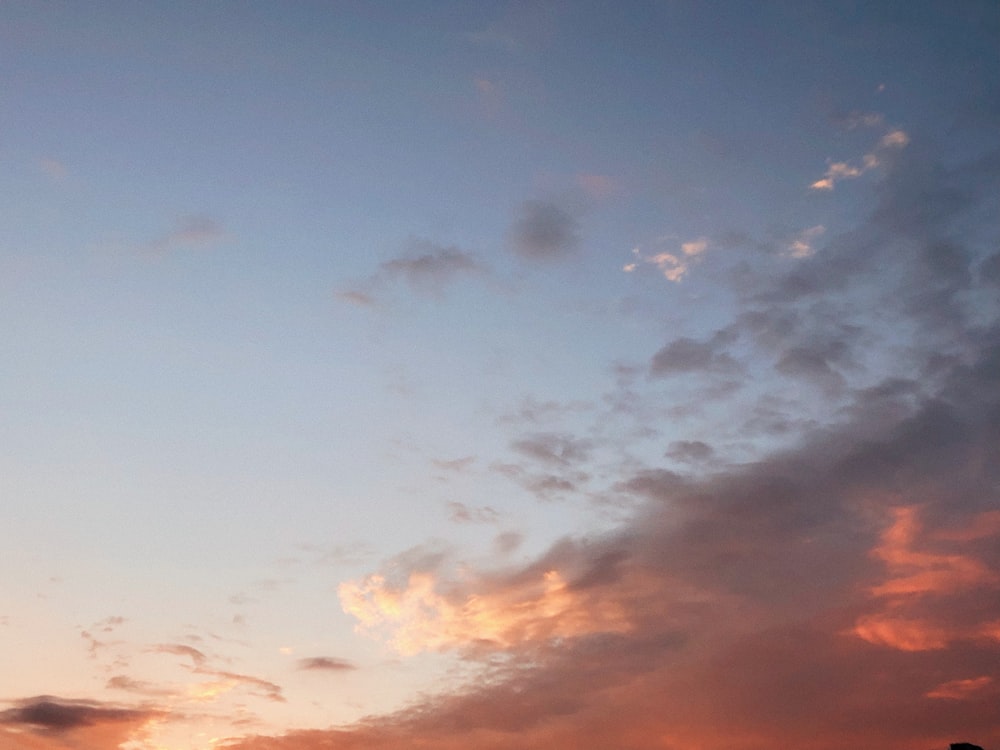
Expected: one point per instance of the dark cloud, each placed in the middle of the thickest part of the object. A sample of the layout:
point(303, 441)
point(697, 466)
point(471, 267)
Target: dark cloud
point(554, 449)
point(544, 231)
point(507, 542)
point(424, 265)
point(325, 664)
point(50, 715)
point(686, 355)
point(690, 451)
point(815, 363)
point(430, 266)
point(544, 485)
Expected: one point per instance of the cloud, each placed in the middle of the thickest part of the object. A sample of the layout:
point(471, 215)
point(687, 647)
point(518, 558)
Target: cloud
point(840, 591)
point(188, 231)
point(960, 689)
point(325, 664)
point(686, 355)
point(424, 266)
point(801, 245)
point(356, 297)
point(690, 451)
point(423, 615)
point(839, 170)
point(673, 265)
point(462, 513)
point(554, 449)
point(544, 231)
point(198, 659)
point(50, 723)
point(430, 266)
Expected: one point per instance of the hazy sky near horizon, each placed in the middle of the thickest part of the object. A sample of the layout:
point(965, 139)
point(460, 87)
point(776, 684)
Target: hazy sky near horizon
point(538, 375)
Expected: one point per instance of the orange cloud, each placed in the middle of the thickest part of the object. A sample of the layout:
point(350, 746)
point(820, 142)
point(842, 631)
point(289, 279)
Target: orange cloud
point(919, 580)
point(419, 618)
point(920, 572)
point(960, 689)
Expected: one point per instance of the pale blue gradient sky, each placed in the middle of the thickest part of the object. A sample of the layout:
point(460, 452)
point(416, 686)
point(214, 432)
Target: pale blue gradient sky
point(295, 293)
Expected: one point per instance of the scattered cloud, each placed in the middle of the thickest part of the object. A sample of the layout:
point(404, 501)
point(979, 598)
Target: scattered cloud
point(356, 297)
point(47, 722)
point(424, 266)
point(198, 659)
point(802, 245)
point(960, 689)
point(544, 231)
point(554, 449)
point(188, 231)
point(690, 451)
point(325, 664)
point(430, 266)
point(462, 513)
point(839, 170)
point(858, 119)
point(673, 265)
point(687, 355)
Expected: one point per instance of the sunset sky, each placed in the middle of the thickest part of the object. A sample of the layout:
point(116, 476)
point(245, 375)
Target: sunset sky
point(491, 375)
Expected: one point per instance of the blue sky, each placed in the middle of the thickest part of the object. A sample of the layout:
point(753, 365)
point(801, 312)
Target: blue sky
point(362, 359)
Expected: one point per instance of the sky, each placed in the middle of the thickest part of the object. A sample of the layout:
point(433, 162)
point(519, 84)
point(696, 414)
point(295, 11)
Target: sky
point(499, 375)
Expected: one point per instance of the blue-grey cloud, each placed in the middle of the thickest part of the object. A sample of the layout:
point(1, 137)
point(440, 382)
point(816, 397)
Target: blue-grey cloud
point(544, 231)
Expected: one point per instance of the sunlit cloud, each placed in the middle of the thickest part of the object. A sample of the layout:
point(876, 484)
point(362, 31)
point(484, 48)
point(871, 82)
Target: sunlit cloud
point(917, 576)
point(914, 572)
point(960, 689)
point(840, 170)
point(673, 265)
point(418, 617)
